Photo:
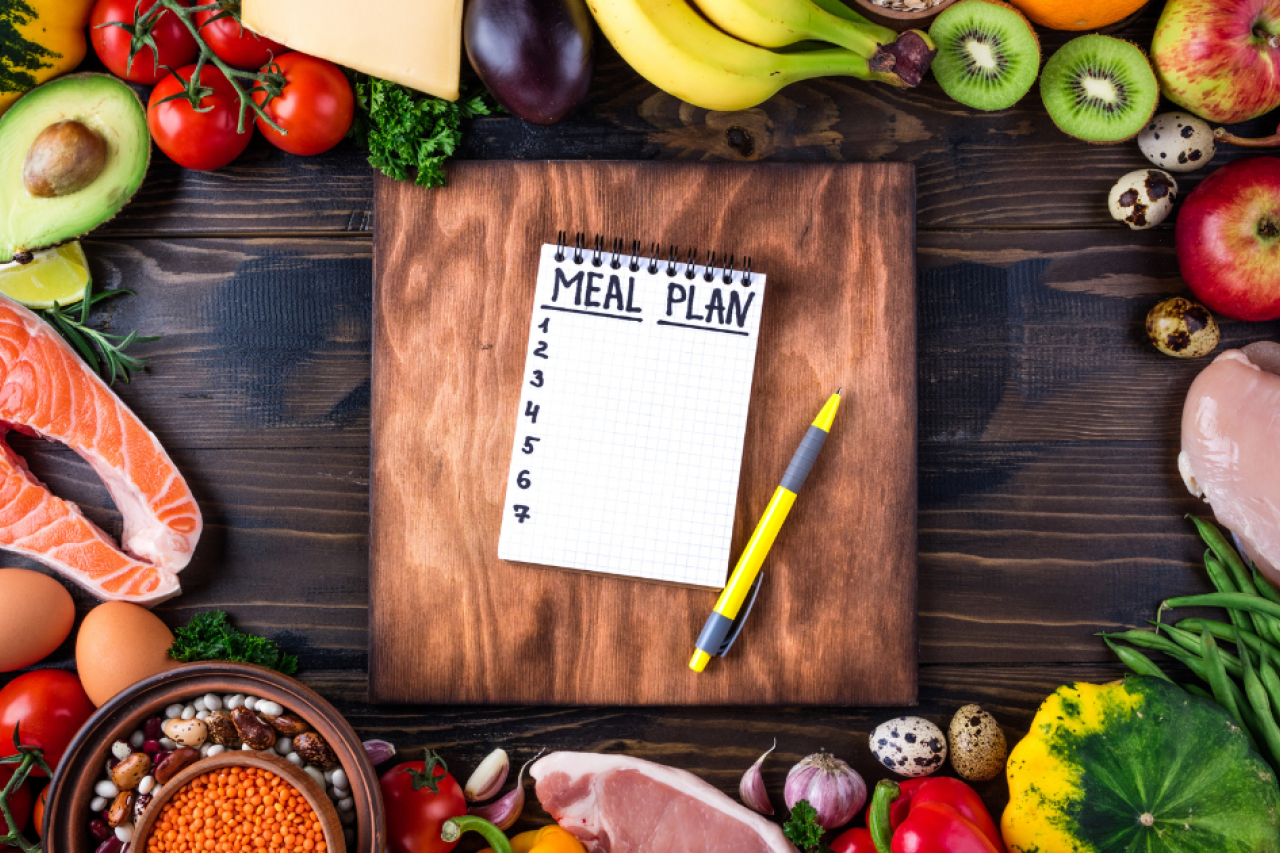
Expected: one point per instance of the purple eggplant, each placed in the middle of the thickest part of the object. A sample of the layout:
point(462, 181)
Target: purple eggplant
point(535, 56)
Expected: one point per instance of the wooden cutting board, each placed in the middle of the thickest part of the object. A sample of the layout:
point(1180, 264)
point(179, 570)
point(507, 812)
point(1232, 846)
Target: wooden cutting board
point(835, 623)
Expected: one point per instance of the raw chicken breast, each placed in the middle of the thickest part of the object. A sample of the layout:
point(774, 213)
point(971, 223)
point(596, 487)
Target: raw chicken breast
point(617, 804)
point(1231, 450)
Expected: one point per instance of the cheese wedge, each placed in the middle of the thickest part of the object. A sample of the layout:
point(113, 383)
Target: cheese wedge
point(417, 43)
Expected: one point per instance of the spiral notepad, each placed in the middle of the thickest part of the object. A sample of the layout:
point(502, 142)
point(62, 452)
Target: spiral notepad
point(629, 429)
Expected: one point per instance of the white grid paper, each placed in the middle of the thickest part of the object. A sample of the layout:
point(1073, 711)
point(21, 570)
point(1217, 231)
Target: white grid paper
point(640, 427)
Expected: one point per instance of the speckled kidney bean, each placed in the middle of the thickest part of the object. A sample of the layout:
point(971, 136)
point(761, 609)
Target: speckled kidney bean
point(168, 765)
point(121, 809)
point(253, 731)
point(128, 773)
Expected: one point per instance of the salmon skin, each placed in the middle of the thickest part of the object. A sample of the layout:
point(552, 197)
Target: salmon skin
point(48, 391)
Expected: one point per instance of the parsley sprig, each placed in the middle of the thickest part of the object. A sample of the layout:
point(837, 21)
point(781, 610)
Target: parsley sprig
point(803, 829)
point(210, 636)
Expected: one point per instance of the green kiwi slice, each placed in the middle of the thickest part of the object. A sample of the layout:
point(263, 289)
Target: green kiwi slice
point(1099, 89)
point(988, 54)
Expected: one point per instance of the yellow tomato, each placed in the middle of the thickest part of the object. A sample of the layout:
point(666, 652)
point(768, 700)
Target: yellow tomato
point(50, 42)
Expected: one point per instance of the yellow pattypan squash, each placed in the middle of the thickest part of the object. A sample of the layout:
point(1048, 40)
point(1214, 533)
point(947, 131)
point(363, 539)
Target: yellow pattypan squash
point(43, 39)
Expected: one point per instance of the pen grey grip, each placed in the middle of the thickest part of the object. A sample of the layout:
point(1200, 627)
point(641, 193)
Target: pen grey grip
point(803, 461)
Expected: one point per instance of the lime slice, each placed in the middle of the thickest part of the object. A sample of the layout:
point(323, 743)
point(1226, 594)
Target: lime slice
point(56, 277)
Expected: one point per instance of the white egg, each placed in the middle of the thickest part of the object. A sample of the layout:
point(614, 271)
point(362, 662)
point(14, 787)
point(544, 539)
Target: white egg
point(1143, 199)
point(1178, 142)
point(909, 746)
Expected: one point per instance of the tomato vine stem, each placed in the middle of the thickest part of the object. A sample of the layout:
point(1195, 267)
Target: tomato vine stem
point(27, 758)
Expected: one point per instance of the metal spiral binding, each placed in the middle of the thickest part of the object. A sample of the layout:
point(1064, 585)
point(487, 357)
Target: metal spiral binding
point(654, 260)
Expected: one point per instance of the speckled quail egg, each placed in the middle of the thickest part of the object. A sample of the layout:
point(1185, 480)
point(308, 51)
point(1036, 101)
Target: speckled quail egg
point(1178, 142)
point(978, 747)
point(1182, 328)
point(909, 746)
point(1143, 199)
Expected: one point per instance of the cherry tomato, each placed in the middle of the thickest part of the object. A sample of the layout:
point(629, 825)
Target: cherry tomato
point(420, 796)
point(857, 840)
point(176, 46)
point(37, 814)
point(48, 707)
point(315, 108)
point(198, 140)
point(233, 44)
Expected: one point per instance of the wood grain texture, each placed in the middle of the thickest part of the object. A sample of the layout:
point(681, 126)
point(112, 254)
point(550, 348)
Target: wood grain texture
point(451, 315)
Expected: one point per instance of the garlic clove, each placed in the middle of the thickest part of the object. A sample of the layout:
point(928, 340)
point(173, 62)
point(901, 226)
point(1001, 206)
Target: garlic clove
point(505, 811)
point(751, 789)
point(379, 751)
point(488, 778)
point(834, 789)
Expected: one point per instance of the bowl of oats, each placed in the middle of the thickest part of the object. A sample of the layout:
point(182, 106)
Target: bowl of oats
point(901, 14)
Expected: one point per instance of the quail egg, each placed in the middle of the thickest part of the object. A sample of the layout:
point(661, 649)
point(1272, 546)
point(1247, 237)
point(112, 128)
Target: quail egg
point(909, 746)
point(978, 747)
point(1143, 199)
point(1178, 142)
point(1182, 328)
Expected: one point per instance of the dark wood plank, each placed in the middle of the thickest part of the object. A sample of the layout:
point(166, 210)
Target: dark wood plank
point(839, 311)
point(1012, 168)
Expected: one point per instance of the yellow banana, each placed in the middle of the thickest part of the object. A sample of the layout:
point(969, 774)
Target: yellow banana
point(677, 50)
point(778, 23)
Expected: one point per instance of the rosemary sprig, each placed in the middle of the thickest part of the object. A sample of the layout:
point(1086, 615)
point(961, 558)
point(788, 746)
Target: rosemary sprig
point(104, 351)
point(26, 759)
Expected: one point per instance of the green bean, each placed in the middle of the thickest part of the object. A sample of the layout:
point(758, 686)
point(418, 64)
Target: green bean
point(1218, 680)
point(1265, 588)
point(1137, 661)
point(1270, 680)
point(1191, 642)
point(1218, 543)
point(1200, 667)
point(1236, 600)
point(1261, 702)
point(1223, 631)
point(1223, 583)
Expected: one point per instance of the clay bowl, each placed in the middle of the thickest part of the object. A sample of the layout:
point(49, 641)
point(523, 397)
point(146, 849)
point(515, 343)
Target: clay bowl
point(885, 17)
point(294, 775)
point(67, 811)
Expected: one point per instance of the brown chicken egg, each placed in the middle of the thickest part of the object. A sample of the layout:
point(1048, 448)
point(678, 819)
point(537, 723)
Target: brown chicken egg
point(36, 615)
point(119, 645)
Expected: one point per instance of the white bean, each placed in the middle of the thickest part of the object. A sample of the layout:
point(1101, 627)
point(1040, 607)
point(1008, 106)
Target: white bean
point(234, 702)
point(284, 745)
point(328, 775)
point(315, 774)
point(189, 712)
point(204, 750)
point(121, 750)
point(173, 711)
point(250, 702)
point(168, 744)
point(270, 709)
point(340, 779)
point(297, 759)
point(125, 832)
point(98, 804)
point(199, 705)
point(339, 794)
point(137, 739)
point(147, 783)
point(202, 715)
point(212, 702)
point(216, 749)
point(105, 788)
point(244, 747)
point(346, 804)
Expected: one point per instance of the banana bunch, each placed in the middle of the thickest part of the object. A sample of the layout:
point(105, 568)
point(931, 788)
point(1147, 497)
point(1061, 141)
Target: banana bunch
point(724, 61)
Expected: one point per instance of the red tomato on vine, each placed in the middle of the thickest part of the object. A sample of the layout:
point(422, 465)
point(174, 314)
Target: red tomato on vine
point(203, 138)
point(48, 707)
point(315, 107)
point(232, 43)
point(420, 796)
point(160, 41)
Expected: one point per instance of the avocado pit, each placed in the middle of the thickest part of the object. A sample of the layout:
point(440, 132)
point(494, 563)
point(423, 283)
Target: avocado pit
point(65, 158)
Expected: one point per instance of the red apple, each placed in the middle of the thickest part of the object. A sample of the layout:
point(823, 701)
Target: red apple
point(1228, 239)
point(1220, 58)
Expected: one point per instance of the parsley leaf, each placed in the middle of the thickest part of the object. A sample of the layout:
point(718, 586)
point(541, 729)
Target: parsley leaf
point(210, 636)
point(803, 829)
point(407, 131)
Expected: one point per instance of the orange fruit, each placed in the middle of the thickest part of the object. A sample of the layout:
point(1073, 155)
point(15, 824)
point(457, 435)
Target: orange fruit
point(1078, 14)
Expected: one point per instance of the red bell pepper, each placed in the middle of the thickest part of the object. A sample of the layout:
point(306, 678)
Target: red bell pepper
point(937, 815)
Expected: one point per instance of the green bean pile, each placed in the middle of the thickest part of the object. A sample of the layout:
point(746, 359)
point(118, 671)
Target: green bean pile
point(1245, 683)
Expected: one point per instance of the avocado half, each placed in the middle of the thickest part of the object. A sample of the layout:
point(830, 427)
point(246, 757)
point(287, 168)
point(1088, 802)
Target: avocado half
point(106, 106)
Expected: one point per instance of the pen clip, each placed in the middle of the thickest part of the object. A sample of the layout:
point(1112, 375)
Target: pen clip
point(742, 617)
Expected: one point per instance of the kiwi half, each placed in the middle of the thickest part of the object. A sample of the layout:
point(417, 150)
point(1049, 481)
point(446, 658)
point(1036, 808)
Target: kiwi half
point(1099, 89)
point(988, 54)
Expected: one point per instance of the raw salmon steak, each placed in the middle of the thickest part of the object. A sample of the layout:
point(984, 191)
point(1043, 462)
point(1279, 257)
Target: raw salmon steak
point(48, 391)
point(619, 804)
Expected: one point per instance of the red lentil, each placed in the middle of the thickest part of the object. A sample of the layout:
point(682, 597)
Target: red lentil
point(237, 810)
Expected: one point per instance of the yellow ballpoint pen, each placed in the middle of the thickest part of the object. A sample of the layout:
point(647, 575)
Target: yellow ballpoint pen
point(712, 639)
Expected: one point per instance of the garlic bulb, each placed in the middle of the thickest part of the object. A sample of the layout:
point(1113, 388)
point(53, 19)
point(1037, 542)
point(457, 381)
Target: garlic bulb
point(832, 787)
point(751, 789)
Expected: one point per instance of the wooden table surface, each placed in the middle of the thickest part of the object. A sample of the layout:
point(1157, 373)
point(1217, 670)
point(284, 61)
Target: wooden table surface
point(1050, 505)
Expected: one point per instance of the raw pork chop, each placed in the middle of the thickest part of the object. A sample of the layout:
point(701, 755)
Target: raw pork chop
point(46, 390)
point(617, 804)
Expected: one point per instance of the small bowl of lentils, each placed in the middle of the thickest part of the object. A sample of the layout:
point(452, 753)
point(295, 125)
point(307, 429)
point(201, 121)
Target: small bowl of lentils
point(143, 738)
